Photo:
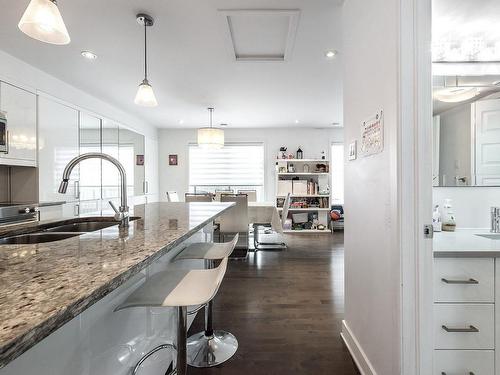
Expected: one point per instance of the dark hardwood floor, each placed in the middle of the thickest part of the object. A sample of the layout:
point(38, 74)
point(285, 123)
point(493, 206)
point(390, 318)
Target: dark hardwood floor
point(285, 308)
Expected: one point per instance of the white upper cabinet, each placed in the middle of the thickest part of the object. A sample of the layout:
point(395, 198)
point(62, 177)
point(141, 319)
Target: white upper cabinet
point(58, 144)
point(151, 164)
point(20, 108)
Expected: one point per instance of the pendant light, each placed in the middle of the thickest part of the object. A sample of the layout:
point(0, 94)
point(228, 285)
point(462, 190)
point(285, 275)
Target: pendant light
point(145, 95)
point(43, 21)
point(209, 137)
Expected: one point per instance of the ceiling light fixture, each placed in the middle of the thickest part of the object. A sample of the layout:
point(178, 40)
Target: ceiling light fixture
point(209, 137)
point(455, 94)
point(297, 121)
point(331, 54)
point(89, 55)
point(145, 95)
point(43, 21)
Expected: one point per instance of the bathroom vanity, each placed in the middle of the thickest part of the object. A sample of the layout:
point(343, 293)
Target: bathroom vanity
point(466, 295)
point(57, 298)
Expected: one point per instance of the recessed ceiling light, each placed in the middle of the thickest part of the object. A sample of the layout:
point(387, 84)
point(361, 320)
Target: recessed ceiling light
point(89, 55)
point(181, 122)
point(296, 121)
point(331, 54)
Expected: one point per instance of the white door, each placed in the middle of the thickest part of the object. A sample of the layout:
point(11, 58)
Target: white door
point(487, 144)
point(20, 108)
point(58, 144)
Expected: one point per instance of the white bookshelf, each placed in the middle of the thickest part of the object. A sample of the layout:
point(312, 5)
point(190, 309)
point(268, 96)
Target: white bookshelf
point(310, 189)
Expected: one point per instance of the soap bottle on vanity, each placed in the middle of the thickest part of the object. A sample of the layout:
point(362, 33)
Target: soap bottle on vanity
point(449, 222)
point(436, 219)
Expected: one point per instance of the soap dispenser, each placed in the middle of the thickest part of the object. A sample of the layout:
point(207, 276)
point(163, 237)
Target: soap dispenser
point(449, 222)
point(436, 219)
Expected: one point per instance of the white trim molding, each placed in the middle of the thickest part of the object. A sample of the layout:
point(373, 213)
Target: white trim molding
point(357, 353)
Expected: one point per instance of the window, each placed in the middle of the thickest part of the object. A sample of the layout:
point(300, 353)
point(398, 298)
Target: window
point(337, 168)
point(237, 166)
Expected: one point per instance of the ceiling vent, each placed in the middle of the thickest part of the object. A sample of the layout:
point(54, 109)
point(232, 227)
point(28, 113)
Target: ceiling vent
point(261, 34)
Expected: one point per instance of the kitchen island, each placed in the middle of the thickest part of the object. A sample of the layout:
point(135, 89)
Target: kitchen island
point(48, 286)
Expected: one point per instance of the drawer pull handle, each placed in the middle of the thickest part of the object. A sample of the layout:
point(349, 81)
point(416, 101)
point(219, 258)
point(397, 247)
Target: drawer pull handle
point(470, 373)
point(470, 281)
point(470, 329)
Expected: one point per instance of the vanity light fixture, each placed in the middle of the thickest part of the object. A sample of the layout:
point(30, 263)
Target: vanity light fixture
point(209, 137)
point(89, 55)
point(43, 21)
point(145, 95)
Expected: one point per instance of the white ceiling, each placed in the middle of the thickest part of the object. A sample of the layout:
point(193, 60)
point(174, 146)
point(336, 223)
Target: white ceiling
point(192, 64)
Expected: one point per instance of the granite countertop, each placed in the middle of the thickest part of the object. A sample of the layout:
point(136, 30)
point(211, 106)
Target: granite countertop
point(43, 286)
point(465, 243)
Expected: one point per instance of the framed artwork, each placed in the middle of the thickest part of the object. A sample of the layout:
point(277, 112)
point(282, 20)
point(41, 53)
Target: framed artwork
point(139, 159)
point(172, 159)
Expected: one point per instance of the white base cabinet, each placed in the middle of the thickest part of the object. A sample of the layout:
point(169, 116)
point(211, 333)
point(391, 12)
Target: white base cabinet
point(464, 362)
point(466, 336)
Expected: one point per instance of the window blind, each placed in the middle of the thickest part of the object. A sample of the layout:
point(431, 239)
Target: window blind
point(236, 164)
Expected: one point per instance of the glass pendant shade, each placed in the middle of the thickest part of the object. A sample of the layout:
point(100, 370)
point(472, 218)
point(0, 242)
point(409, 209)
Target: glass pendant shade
point(43, 21)
point(455, 94)
point(145, 95)
point(210, 138)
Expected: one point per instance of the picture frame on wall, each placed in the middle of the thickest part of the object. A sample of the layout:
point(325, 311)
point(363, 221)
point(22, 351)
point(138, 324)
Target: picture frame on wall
point(172, 159)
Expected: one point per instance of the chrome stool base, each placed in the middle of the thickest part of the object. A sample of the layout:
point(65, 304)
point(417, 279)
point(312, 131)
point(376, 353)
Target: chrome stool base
point(209, 351)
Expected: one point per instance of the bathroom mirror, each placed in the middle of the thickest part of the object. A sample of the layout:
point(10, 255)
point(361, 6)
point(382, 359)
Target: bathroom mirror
point(466, 131)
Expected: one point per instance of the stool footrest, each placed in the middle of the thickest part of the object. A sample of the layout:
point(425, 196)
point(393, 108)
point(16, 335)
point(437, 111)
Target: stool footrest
point(150, 353)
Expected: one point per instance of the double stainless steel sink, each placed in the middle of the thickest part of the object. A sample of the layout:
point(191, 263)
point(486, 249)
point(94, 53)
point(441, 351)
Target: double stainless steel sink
point(59, 230)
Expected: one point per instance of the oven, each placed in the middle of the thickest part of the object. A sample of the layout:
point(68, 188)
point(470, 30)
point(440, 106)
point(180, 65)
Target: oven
point(4, 135)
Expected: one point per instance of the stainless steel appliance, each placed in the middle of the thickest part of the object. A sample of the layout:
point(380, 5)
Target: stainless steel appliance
point(13, 213)
point(4, 135)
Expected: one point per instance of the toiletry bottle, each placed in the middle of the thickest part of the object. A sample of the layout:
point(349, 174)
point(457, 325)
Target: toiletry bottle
point(449, 222)
point(436, 219)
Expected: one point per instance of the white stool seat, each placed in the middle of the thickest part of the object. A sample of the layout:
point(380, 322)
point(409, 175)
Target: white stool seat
point(176, 288)
point(208, 250)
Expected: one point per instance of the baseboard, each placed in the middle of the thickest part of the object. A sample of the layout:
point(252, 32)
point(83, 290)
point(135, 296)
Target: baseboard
point(357, 353)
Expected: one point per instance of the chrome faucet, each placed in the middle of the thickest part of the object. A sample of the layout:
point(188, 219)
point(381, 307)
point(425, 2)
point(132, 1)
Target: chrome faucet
point(121, 214)
point(495, 219)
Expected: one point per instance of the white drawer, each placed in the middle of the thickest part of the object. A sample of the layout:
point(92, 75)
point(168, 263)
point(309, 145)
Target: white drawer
point(464, 326)
point(464, 280)
point(464, 362)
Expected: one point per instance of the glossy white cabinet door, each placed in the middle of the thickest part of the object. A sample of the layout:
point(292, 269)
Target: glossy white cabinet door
point(20, 107)
point(58, 144)
point(151, 172)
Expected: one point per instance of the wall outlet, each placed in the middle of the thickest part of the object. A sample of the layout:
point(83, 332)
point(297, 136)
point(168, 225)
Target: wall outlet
point(353, 152)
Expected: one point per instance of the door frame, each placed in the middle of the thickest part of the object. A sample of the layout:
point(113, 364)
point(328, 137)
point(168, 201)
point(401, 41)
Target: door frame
point(415, 196)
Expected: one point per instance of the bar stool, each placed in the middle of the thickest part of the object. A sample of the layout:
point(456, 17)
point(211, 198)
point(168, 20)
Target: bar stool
point(176, 288)
point(209, 348)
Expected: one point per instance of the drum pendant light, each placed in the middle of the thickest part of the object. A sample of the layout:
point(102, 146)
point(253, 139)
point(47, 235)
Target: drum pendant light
point(209, 137)
point(43, 21)
point(145, 95)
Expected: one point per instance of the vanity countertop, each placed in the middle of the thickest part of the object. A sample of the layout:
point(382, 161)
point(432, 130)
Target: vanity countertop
point(465, 243)
point(43, 286)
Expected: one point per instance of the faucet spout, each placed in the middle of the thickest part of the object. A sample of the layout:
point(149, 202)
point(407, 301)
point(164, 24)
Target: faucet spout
point(122, 214)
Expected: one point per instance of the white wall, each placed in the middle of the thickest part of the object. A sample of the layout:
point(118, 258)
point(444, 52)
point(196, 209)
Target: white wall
point(175, 141)
point(470, 204)
point(455, 144)
point(372, 250)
